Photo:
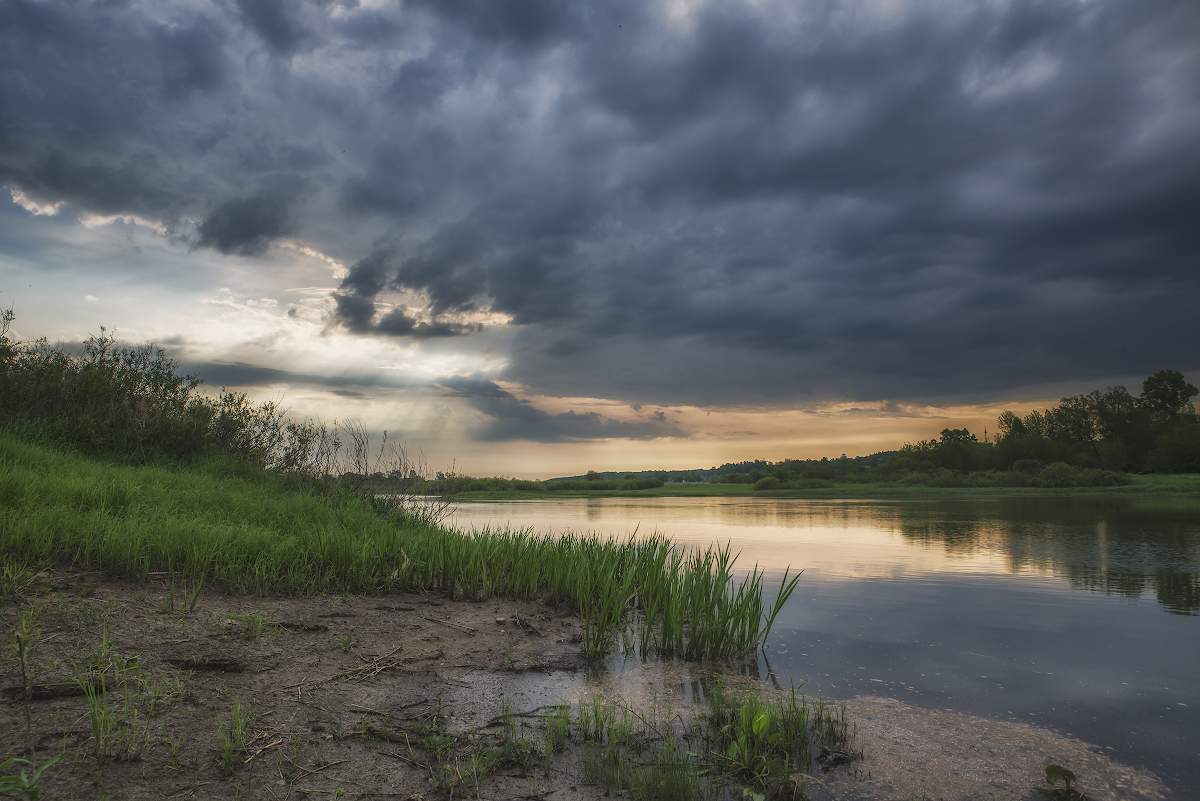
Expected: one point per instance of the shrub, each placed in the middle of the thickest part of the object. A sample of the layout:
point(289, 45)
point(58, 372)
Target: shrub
point(767, 483)
point(623, 485)
point(1178, 449)
point(943, 477)
point(1060, 474)
point(133, 404)
point(807, 483)
point(1013, 478)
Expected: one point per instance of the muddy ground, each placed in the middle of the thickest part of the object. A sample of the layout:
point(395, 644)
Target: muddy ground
point(355, 697)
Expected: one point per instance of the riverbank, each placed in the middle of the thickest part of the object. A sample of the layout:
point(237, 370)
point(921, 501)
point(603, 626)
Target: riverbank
point(254, 532)
point(411, 696)
point(209, 631)
point(1185, 486)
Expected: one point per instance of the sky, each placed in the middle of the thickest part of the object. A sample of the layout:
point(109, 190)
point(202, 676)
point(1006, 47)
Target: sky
point(535, 237)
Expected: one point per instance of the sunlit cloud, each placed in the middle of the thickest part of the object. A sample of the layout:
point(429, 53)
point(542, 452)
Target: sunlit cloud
point(35, 207)
point(89, 220)
point(337, 268)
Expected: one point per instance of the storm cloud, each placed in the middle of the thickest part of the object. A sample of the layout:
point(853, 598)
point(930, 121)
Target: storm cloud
point(511, 418)
point(245, 225)
point(708, 203)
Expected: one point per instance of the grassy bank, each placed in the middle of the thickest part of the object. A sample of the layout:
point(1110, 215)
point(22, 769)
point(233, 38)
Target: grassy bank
point(1139, 485)
point(250, 531)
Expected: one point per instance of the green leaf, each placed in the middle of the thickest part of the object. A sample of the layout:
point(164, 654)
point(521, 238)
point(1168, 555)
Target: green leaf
point(761, 721)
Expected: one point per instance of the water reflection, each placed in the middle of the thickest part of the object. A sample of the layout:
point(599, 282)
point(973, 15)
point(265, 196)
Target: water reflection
point(1043, 610)
point(1127, 547)
point(1115, 546)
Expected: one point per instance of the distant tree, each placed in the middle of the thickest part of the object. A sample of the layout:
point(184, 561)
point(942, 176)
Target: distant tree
point(956, 436)
point(1071, 425)
point(1011, 425)
point(1177, 449)
point(1166, 394)
point(1123, 428)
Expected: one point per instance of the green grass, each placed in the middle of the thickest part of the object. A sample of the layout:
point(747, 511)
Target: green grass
point(558, 729)
point(21, 778)
point(247, 531)
point(251, 625)
point(1177, 484)
point(748, 743)
point(232, 738)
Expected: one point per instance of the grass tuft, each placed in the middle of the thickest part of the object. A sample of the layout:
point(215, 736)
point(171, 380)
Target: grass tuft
point(232, 737)
point(748, 743)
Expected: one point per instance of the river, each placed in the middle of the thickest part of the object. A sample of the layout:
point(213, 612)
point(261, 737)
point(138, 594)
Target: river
point(1081, 615)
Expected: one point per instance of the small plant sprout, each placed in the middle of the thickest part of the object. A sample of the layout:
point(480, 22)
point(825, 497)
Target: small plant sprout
point(558, 729)
point(101, 717)
point(195, 586)
point(345, 643)
point(24, 637)
point(250, 625)
point(14, 579)
point(507, 661)
point(232, 738)
point(20, 778)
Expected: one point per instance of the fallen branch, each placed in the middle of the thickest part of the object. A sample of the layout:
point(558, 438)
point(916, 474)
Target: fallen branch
point(266, 747)
point(368, 670)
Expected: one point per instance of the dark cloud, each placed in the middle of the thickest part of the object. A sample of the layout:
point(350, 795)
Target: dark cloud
point(756, 203)
point(246, 225)
point(398, 323)
point(196, 61)
point(355, 307)
point(525, 24)
point(242, 374)
point(372, 27)
point(357, 314)
point(97, 103)
point(276, 22)
point(510, 418)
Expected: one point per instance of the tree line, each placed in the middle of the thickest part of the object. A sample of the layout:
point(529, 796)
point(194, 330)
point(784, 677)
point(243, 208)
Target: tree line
point(1089, 439)
point(1157, 431)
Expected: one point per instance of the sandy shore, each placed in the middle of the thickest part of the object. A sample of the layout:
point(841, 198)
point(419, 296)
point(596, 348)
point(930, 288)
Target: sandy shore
point(345, 697)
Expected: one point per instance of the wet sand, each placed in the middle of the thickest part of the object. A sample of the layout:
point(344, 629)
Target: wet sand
point(338, 689)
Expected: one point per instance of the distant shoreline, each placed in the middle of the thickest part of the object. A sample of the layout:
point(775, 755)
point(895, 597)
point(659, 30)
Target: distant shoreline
point(1176, 485)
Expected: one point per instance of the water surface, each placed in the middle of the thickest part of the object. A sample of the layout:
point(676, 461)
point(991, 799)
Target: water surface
point(1076, 614)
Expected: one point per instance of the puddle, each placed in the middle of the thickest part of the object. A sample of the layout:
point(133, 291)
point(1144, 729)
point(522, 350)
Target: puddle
point(908, 752)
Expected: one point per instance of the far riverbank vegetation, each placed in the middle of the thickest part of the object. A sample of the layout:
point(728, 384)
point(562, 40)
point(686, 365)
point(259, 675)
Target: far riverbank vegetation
point(1103, 439)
